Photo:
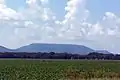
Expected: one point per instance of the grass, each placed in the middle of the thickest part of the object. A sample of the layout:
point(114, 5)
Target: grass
point(59, 70)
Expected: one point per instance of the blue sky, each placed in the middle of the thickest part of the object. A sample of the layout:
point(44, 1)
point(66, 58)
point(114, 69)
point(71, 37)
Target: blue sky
point(86, 22)
point(15, 3)
point(97, 8)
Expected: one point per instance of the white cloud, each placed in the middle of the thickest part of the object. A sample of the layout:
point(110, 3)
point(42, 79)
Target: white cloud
point(37, 23)
point(106, 32)
point(75, 10)
point(22, 27)
point(2, 2)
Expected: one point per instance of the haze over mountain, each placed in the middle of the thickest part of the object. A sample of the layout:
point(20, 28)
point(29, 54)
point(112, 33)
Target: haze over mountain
point(103, 51)
point(37, 47)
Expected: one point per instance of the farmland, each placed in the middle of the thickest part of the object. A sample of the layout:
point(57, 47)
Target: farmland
point(20, 69)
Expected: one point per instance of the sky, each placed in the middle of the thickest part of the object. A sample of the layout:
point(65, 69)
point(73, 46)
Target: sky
point(93, 23)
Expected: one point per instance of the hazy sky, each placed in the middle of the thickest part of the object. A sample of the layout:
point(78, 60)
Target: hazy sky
point(93, 23)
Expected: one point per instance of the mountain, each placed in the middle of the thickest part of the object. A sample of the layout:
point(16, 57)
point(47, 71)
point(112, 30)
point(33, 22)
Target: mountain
point(69, 48)
point(58, 48)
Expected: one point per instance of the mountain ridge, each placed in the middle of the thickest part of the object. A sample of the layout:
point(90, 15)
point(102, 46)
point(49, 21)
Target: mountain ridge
point(47, 47)
point(69, 48)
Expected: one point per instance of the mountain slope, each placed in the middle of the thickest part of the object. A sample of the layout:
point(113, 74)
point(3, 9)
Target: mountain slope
point(3, 49)
point(55, 48)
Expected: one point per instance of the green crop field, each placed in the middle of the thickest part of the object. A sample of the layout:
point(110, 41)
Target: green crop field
point(59, 70)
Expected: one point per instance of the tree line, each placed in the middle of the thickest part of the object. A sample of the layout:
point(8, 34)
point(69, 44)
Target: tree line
point(53, 55)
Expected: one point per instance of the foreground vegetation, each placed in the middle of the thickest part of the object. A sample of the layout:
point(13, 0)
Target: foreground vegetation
point(59, 70)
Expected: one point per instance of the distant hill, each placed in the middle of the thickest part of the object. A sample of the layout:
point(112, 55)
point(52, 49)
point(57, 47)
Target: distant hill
point(69, 48)
point(58, 48)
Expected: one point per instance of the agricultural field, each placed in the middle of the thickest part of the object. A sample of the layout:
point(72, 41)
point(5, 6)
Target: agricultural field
point(11, 69)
